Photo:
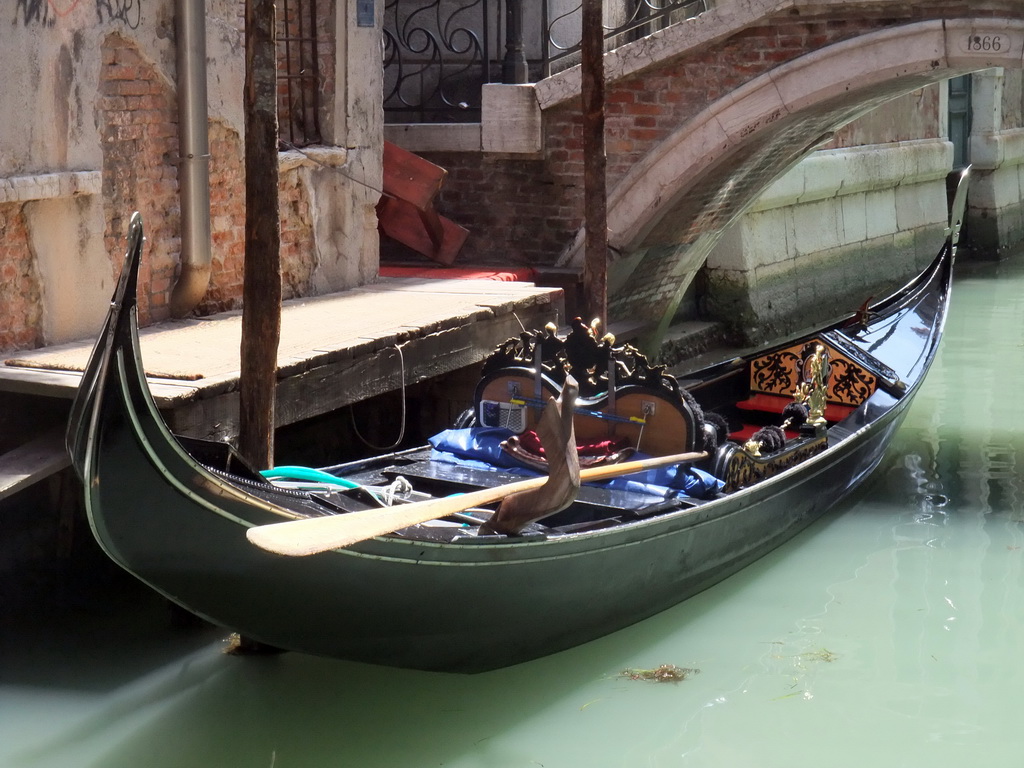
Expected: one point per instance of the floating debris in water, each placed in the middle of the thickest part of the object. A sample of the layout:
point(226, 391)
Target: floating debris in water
point(666, 673)
point(822, 654)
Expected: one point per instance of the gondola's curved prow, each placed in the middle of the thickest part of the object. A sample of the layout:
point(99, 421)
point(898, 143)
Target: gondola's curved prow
point(114, 405)
point(82, 421)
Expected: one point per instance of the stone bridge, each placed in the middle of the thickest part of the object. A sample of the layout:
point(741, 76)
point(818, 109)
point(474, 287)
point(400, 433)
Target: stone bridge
point(701, 118)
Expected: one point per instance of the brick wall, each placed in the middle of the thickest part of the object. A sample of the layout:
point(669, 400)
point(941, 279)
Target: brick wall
point(519, 212)
point(227, 220)
point(139, 135)
point(297, 260)
point(526, 211)
point(140, 145)
point(125, 86)
point(19, 283)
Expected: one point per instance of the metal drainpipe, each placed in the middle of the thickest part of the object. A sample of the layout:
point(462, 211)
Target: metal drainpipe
point(194, 148)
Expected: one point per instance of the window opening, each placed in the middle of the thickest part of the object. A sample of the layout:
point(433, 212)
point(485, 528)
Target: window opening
point(298, 74)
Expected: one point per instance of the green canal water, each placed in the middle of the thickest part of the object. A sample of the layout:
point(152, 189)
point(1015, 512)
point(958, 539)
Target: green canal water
point(888, 633)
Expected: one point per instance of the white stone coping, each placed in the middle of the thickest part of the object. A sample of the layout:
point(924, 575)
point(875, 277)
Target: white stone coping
point(312, 157)
point(511, 122)
point(435, 137)
point(839, 172)
point(49, 186)
point(990, 151)
point(725, 18)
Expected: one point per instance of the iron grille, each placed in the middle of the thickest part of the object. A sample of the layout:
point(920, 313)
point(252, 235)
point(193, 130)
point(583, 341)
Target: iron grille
point(624, 22)
point(438, 54)
point(298, 73)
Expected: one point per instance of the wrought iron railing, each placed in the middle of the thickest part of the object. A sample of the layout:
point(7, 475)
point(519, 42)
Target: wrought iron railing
point(438, 54)
point(624, 22)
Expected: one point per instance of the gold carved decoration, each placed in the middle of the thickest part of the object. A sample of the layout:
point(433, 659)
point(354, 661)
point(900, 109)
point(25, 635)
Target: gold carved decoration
point(816, 372)
point(782, 371)
point(745, 470)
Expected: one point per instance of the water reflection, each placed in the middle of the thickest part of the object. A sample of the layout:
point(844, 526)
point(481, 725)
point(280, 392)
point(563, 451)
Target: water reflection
point(887, 633)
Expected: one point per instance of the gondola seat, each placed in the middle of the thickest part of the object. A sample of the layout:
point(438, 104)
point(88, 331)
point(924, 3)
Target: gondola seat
point(626, 406)
point(764, 403)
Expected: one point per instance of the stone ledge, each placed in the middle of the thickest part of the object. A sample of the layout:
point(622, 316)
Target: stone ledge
point(990, 151)
point(435, 137)
point(312, 157)
point(49, 186)
point(512, 121)
point(839, 172)
point(996, 184)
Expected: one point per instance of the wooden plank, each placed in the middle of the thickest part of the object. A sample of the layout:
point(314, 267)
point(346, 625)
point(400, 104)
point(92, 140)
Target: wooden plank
point(325, 388)
point(33, 381)
point(33, 461)
point(410, 177)
point(477, 289)
point(201, 350)
point(595, 177)
point(64, 385)
point(356, 330)
point(261, 285)
point(418, 229)
point(436, 230)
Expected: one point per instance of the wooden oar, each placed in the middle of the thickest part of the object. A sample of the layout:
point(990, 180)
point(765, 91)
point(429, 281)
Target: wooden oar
point(298, 538)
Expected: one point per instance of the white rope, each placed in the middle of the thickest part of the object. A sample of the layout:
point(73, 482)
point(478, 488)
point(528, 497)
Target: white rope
point(399, 487)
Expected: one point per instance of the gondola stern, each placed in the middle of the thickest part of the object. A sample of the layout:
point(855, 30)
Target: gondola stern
point(937, 277)
point(944, 262)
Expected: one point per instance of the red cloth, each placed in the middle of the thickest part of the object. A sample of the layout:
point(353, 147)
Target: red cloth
point(776, 404)
point(531, 442)
point(748, 430)
point(521, 274)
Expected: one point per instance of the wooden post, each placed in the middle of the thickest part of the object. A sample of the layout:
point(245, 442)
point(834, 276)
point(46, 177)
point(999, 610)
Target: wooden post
point(595, 199)
point(261, 290)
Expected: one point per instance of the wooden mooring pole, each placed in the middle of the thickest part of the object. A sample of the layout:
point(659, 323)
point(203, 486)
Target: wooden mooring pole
point(595, 199)
point(261, 290)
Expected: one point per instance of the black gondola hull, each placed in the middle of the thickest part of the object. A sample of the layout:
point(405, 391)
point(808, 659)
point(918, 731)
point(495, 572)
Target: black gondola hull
point(180, 527)
point(443, 607)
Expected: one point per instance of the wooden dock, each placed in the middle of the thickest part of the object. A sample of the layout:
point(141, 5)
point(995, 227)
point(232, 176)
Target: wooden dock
point(335, 350)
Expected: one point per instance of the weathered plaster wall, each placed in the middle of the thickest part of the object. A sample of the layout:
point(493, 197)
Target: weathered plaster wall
point(53, 237)
point(89, 133)
point(73, 269)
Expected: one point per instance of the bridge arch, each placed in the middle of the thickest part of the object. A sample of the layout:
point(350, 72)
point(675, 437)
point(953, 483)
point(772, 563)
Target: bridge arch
point(666, 214)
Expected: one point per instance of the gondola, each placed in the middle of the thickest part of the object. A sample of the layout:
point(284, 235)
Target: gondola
point(783, 434)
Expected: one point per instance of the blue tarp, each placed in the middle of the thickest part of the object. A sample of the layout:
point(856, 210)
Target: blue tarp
point(480, 448)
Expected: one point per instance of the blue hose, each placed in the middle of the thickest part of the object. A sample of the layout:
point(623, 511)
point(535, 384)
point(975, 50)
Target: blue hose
point(306, 473)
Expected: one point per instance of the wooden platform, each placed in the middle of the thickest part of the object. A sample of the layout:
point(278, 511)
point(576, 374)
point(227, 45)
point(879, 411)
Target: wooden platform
point(335, 350)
